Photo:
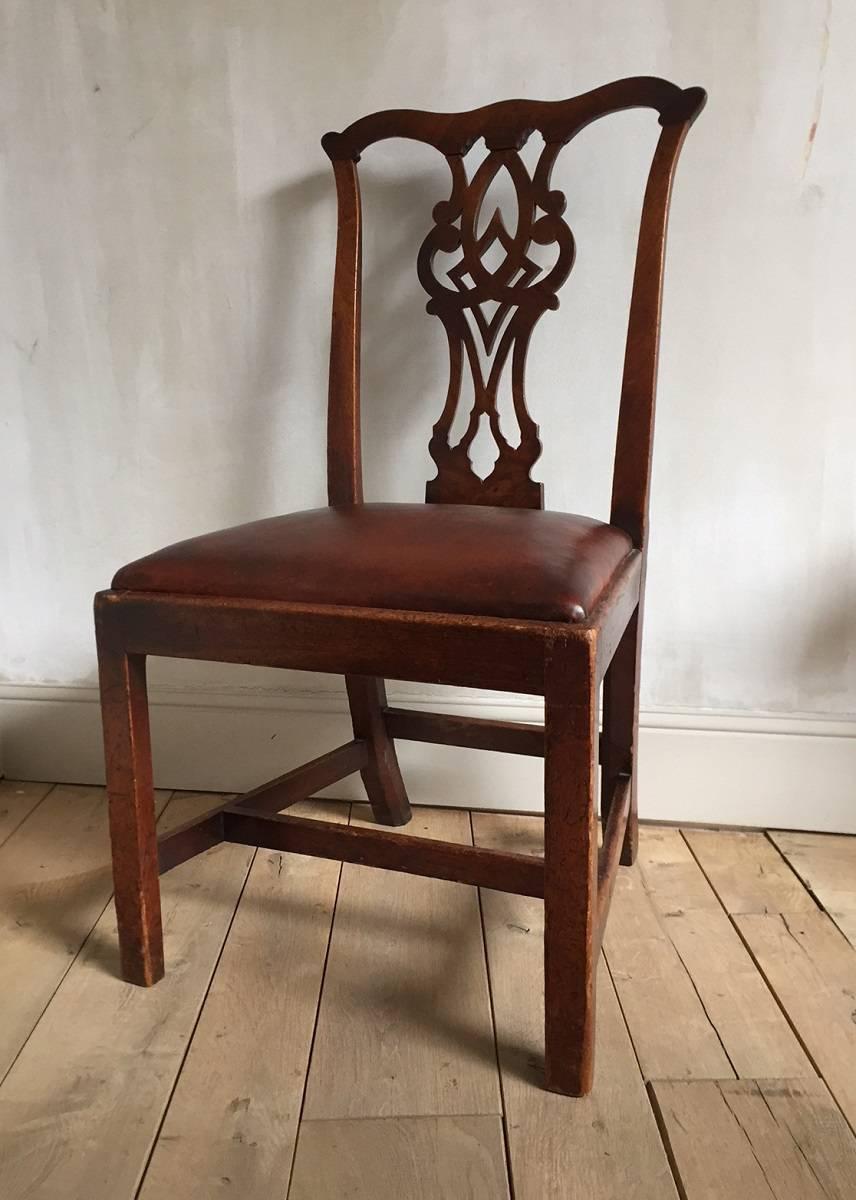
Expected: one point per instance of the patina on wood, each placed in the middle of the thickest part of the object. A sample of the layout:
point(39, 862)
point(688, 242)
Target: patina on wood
point(565, 661)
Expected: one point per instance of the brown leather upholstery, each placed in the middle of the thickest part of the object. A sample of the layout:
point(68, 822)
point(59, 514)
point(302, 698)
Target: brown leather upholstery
point(454, 558)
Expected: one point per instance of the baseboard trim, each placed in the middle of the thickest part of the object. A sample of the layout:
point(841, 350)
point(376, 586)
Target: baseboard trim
point(704, 766)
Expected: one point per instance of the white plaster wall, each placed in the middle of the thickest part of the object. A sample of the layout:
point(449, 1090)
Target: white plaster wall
point(167, 225)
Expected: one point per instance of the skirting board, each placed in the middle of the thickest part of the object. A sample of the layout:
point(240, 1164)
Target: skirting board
point(707, 767)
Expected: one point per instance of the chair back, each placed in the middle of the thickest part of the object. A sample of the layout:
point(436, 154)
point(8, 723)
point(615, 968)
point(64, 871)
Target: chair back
point(488, 290)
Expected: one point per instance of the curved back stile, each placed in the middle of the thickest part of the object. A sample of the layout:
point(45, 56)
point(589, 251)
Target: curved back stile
point(520, 288)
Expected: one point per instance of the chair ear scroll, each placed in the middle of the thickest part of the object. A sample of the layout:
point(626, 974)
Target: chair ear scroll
point(685, 106)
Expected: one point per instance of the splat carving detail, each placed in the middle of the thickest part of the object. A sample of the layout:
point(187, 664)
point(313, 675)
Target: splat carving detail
point(489, 311)
point(520, 290)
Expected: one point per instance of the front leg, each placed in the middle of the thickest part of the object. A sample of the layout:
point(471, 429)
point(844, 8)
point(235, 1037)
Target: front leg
point(130, 795)
point(570, 866)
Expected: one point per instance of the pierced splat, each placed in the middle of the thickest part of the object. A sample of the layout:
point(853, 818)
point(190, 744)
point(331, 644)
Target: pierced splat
point(518, 290)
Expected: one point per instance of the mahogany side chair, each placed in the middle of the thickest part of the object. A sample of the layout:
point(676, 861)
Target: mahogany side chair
point(478, 587)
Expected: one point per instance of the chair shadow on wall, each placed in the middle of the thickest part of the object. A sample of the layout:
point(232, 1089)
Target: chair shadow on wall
point(402, 362)
point(827, 661)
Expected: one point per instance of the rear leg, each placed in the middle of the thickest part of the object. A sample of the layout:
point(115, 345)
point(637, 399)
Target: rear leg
point(621, 731)
point(381, 775)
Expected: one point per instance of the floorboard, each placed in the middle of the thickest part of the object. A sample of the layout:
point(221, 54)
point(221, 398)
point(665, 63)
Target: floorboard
point(806, 960)
point(652, 982)
point(55, 883)
point(82, 1105)
point(401, 1158)
point(827, 866)
point(812, 969)
point(747, 872)
point(326, 1032)
point(750, 1025)
point(598, 1148)
point(404, 1025)
point(768, 1140)
point(17, 801)
point(232, 1123)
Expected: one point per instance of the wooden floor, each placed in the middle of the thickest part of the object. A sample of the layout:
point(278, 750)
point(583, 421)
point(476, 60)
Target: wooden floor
point(328, 1032)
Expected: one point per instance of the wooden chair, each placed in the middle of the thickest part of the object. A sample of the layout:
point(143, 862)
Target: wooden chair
point(478, 588)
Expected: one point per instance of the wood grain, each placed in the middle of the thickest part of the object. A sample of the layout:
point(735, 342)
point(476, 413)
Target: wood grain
point(754, 1033)
point(489, 652)
point(613, 845)
point(747, 872)
point(366, 645)
point(768, 1140)
point(518, 288)
point(812, 969)
point(572, 929)
point(596, 1148)
point(420, 1158)
point(303, 781)
point(651, 980)
point(519, 291)
point(827, 865)
point(404, 1025)
point(448, 729)
point(381, 774)
point(17, 801)
point(232, 1122)
point(133, 834)
point(619, 749)
point(81, 1107)
point(54, 884)
point(804, 1109)
point(510, 122)
point(382, 848)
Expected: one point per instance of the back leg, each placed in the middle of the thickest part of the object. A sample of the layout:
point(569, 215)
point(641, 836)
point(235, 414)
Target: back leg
point(382, 775)
point(621, 731)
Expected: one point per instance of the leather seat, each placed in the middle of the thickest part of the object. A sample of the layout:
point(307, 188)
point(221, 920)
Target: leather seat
point(452, 558)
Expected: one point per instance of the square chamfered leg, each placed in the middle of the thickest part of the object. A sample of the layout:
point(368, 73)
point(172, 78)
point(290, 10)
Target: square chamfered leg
point(570, 866)
point(381, 776)
point(130, 796)
point(621, 731)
